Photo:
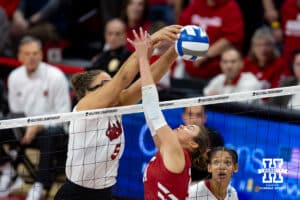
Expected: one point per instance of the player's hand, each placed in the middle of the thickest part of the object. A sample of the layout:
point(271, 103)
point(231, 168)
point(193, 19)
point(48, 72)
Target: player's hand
point(142, 43)
point(167, 33)
point(36, 18)
point(30, 134)
point(200, 61)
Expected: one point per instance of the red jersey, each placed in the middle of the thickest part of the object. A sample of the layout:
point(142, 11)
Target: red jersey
point(221, 21)
point(270, 75)
point(290, 16)
point(160, 183)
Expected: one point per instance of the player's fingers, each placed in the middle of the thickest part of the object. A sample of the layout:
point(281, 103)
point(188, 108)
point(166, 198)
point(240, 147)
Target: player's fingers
point(141, 32)
point(171, 36)
point(135, 34)
point(175, 28)
point(130, 41)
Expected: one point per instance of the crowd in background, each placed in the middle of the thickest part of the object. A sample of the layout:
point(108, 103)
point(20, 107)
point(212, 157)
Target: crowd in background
point(96, 31)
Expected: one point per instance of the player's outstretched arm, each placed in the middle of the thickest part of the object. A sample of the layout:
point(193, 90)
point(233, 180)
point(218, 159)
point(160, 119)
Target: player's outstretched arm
point(170, 149)
point(107, 95)
point(158, 69)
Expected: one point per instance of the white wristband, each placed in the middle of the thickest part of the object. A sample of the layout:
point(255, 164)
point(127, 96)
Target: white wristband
point(154, 117)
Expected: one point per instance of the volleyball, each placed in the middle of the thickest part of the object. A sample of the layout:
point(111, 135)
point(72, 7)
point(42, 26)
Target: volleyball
point(192, 43)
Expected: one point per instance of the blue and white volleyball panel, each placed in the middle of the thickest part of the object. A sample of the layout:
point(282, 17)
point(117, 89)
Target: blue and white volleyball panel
point(192, 43)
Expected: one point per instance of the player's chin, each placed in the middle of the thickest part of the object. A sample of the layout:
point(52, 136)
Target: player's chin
point(116, 103)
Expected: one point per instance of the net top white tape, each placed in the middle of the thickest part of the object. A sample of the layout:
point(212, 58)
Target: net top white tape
point(99, 113)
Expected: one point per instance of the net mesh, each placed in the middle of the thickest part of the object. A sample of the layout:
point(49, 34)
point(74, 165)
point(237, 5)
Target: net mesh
point(265, 137)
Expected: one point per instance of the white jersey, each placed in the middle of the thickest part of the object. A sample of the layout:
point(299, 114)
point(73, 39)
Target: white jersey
point(246, 82)
point(200, 191)
point(94, 150)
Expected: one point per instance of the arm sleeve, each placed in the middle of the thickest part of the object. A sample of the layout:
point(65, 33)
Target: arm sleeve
point(153, 114)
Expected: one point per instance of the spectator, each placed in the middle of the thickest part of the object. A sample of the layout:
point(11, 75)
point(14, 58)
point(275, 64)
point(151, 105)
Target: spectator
point(222, 164)
point(232, 79)
point(23, 22)
point(36, 88)
point(135, 13)
point(84, 21)
point(223, 22)
point(196, 115)
point(115, 52)
point(290, 101)
point(290, 23)
point(164, 10)
point(264, 60)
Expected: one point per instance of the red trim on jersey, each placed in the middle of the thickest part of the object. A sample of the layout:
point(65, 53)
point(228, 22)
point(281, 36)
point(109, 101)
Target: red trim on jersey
point(207, 183)
point(234, 81)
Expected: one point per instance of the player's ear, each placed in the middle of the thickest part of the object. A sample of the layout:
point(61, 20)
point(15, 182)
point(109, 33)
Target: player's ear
point(236, 168)
point(209, 168)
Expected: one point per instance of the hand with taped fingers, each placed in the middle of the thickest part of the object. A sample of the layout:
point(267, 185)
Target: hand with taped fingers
point(169, 33)
point(142, 43)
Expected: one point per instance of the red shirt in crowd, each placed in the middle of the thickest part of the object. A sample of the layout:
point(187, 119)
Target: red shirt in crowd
point(145, 25)
point(160, 183)
point(221, 21)
point(9, 7)
point(271, 74)
point(290, 16)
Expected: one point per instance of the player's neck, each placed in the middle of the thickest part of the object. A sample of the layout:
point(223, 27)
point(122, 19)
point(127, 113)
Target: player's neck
point(218, 189)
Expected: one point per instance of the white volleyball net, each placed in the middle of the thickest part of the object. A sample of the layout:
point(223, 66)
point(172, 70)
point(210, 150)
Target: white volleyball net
point(266, 139)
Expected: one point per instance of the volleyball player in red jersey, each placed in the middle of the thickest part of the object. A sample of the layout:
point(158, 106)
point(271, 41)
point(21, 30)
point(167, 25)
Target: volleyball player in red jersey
point(167, 175)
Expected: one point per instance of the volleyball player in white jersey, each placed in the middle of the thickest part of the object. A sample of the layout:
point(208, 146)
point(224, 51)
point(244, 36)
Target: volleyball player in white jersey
point(96, 145)
point(222, 163)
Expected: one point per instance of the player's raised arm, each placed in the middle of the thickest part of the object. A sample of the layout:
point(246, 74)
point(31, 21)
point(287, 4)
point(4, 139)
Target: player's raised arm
point(159, 68)
point(168, 145)
point(110, 94)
